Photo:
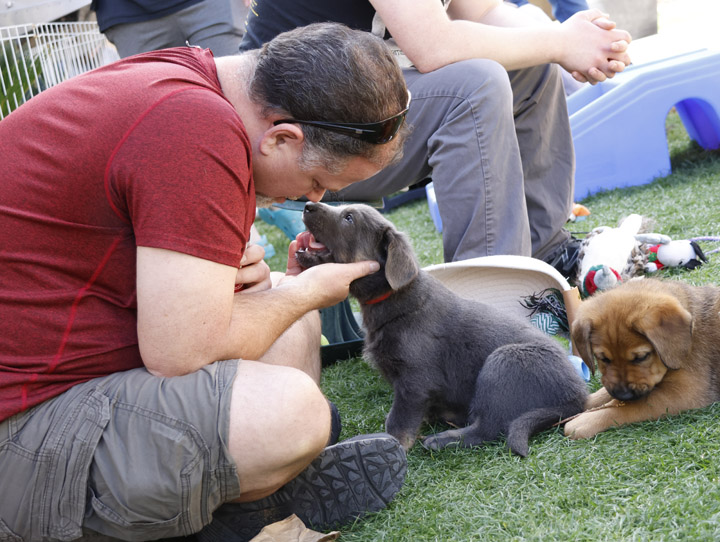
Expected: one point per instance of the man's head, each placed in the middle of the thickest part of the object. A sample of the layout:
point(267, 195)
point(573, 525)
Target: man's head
point(329, 75)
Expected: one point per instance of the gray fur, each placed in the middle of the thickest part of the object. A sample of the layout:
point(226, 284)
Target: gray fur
point(447, 358)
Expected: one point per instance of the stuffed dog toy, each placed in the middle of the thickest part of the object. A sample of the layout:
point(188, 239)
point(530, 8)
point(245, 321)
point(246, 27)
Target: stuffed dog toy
point(447, 358)
point(657, 346)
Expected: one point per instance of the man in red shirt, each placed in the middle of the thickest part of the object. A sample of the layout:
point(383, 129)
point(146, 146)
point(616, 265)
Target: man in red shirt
point(126, 202)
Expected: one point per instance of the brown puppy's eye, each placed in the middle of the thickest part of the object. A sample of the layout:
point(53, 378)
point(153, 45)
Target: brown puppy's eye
point(604, 359)
point(639, 358)
point(348, 218)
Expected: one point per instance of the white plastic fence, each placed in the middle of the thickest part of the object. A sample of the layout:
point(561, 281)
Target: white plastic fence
point(34, 57)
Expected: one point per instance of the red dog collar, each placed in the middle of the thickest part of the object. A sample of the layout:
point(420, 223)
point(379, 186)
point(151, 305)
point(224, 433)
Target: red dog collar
point(379, 299)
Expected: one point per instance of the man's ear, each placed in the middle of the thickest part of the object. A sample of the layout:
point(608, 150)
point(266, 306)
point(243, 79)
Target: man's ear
point(283, 134)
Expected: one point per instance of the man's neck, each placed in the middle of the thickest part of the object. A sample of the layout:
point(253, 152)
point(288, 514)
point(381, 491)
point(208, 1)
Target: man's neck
point(234, 73)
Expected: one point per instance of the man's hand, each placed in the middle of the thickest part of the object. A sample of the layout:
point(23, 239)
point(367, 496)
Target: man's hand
point(254, 273)
point(595, 49)
point(328, 283)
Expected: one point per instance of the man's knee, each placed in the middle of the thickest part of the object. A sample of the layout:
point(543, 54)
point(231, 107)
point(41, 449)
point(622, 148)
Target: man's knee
point(299, 346)
point(301, 416)
point(279, 422)
point(483, 85)
point(481, 76)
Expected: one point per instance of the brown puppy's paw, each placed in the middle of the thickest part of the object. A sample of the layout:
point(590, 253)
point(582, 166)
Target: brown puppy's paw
point(588, 424)
point(598, 399)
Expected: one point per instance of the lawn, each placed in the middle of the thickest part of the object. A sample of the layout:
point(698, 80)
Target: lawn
point(652, 481)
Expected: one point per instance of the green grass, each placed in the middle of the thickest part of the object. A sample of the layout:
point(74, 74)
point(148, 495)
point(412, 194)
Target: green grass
point(652, 481)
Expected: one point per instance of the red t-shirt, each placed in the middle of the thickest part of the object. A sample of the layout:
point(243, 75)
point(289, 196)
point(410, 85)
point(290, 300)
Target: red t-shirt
point(146, 151)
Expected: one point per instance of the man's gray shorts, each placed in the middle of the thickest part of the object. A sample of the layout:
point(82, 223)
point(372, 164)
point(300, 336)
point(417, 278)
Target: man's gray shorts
point(129, 455)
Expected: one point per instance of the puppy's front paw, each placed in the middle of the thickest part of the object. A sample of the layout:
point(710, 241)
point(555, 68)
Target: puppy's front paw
point(442, 440)
point(586, 425)
point(598, 399)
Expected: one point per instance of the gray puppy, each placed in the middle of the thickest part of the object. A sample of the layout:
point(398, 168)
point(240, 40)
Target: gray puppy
point(447, 358)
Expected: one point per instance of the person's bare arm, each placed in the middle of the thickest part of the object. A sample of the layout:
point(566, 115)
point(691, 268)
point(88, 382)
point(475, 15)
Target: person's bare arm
point(188, 316)
point(431, 38)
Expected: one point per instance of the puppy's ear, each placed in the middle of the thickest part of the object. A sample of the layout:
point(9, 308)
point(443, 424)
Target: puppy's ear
point(668, 327)
point(401, 267)
point(580, 335)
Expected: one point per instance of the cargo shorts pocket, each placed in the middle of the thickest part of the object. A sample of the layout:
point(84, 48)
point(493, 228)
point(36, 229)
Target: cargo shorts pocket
point(149, 477)
point(6, 535)
point(45, 462)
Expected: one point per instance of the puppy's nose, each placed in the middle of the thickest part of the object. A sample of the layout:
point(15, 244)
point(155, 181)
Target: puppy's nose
point(623, 393)
point(310, 207)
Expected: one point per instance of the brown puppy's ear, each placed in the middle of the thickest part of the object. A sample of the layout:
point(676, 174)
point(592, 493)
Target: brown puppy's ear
point(580, 334)
point(401, 267)
point(668, 327)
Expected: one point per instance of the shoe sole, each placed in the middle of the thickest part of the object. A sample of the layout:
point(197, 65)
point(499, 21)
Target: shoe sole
point(348, 480)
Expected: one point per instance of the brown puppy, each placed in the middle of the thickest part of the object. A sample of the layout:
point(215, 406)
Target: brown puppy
point(657, 344)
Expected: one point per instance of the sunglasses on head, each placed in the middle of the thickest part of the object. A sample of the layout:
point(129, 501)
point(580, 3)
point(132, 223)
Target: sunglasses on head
point(372, 132)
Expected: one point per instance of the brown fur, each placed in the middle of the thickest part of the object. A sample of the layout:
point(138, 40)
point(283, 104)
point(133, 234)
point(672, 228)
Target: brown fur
point(657, 346)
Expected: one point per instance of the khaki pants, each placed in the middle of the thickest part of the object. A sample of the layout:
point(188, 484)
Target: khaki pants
point(499, 150)
point(217, 25)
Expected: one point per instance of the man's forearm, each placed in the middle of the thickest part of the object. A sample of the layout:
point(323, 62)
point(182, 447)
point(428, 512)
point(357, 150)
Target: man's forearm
point(258, 319)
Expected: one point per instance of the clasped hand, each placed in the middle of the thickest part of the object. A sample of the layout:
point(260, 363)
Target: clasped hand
point(597, 50)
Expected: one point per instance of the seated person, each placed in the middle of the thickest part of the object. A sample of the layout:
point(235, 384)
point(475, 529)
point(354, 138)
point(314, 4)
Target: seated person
point(489, 119)
point(150, 372)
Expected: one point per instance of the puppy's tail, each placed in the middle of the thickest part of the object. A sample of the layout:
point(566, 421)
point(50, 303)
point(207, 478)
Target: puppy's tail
point(529, 423)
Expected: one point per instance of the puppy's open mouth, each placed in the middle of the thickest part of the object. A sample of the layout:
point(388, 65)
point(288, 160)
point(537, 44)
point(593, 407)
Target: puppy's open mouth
point(307, 243)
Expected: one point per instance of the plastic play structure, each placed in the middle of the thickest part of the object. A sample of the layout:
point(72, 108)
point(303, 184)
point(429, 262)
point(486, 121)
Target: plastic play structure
point(618, 126)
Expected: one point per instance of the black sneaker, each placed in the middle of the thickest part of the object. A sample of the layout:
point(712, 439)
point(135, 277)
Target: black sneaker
point(335, 424)
point(565, 258)
point(346, 481)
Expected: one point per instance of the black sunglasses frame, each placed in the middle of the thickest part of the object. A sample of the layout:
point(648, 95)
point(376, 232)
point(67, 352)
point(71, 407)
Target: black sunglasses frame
point(373, 132)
